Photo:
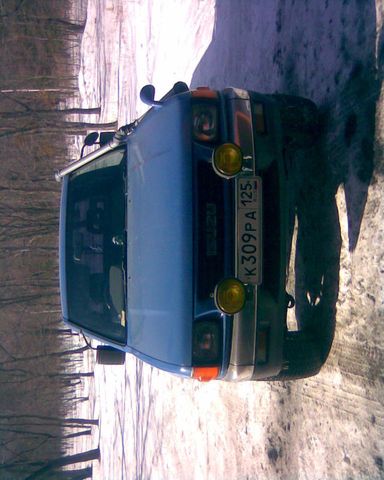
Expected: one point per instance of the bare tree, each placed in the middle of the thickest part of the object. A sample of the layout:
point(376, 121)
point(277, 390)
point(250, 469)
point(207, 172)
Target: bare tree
point(40, 363)
point(67, 460)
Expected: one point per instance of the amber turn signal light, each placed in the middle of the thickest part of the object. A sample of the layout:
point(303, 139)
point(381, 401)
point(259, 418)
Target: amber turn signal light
point(205, 374)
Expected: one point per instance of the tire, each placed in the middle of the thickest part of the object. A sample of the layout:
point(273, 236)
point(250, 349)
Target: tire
point(300, 121)
point(303, 357)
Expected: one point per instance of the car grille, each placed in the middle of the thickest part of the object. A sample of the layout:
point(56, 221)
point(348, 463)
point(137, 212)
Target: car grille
point(210, 220)
point(271, 230)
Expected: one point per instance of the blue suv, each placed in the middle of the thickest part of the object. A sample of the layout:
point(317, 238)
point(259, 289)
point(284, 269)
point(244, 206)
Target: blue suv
point(174, 236)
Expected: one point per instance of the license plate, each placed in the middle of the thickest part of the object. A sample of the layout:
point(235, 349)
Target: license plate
point(249, 232)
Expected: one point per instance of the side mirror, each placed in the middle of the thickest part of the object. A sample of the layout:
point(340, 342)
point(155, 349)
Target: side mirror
point(147, 96)
point(89, 140)
point(106, 137)
point(107, 355)
point(180, 87)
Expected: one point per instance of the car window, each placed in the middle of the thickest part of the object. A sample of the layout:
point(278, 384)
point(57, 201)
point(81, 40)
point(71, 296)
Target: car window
point(95, 246)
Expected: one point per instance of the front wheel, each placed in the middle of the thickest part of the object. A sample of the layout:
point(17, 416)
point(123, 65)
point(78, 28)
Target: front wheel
point(300, 120)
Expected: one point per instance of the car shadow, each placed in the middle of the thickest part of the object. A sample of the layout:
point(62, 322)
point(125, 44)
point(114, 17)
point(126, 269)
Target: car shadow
point(314, 215)
point(326, 51)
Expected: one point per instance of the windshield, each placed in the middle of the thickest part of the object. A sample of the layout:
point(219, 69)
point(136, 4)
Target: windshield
point(95, 246)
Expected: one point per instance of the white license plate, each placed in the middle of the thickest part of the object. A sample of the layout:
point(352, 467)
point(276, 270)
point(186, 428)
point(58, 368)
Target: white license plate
point(249, 234)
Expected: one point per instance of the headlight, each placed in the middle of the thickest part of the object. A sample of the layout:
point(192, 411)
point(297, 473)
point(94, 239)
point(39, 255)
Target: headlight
point(206, 346)
point(205, 122)
point(230, 296)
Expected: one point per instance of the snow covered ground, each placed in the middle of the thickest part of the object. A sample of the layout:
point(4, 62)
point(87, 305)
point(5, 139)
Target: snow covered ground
point(327, 427)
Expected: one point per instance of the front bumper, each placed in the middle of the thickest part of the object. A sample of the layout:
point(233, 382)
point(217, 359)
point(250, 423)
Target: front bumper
point(258, 330)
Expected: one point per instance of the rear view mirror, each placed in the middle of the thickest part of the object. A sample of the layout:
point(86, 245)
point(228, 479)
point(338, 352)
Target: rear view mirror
point(147, 96)
point(107, 355)
point(91, 139)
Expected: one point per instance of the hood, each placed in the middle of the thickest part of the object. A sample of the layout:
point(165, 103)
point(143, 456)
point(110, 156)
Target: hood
point(160, 235)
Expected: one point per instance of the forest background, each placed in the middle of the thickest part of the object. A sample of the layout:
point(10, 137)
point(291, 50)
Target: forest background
point(39, 360)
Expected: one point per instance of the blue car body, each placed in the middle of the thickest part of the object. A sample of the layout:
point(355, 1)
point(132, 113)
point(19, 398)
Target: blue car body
point(148, 229)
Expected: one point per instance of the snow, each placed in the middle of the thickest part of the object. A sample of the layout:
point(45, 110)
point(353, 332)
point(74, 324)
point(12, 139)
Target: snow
point(129, 44)
point(153, 425)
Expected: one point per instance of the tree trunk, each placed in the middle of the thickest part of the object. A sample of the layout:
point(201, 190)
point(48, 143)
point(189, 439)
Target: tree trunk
point(67, 460)
point(73, 474)
point(49, 113)
point(53, 354)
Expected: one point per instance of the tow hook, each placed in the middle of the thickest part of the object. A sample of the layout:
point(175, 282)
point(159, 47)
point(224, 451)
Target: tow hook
point(290, 300)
